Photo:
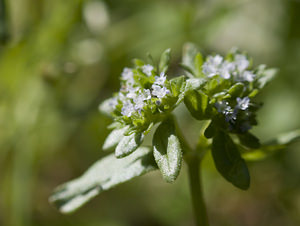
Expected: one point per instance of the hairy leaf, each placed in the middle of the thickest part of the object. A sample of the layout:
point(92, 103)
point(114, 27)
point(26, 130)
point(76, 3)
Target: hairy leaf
point(103, 175)
point(249, 140)
point(167, 150)
point(129, 144)
point(114, 138)
point(106, 108)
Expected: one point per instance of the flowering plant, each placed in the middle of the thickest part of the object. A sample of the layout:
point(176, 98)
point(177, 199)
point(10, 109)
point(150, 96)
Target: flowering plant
point(219, 90)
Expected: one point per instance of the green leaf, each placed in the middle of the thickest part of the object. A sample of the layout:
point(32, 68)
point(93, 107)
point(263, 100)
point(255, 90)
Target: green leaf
point(279, 143)
point(198, 104)
point(194, 84)
point(102, 175)
point(210, 130)
point(198, 65)
point(228, 161)
point(129, 144)
point(167, 150)
point(106, 108)
point(138, 62)
point(114, 138)
point(249, 140)
point(236, 90)
point(164, 61)
point(177, 85)
point(188, 58)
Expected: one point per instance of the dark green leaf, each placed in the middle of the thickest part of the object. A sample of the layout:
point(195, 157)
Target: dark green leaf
point(236, 90)
point(228, 161)
point(249, 140)
point(128, 144)
point(164, 61)
point(197, 104)
point(102, 175)
point(279, 143)
point(210, 130)
point(167, 150)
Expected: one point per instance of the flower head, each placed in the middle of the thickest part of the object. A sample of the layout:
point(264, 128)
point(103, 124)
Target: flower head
point(147, 69)
point(159, 91)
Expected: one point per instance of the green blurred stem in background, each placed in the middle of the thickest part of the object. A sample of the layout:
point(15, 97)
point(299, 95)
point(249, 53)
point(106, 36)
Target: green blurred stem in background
point(193, 159)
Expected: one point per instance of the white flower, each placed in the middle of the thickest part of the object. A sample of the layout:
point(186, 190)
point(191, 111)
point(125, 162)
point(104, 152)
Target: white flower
point(132, 92)
point(127, 108)
point(161, 79)
point(212, 65)
point(147, 94)
point(147, 69)
point(127, 75)
point(248, 76)
point(159, 92)
point(113, 102)
point(224, 108)
point(226, 69)
point(139, 102)
point(140, 99)
point(241, 62)
point(243, 104)
point(216, 66)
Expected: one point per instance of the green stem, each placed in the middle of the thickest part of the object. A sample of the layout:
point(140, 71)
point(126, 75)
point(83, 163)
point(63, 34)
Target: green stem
point(196, 191)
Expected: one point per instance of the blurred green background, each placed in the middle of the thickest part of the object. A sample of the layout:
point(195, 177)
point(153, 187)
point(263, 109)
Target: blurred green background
point(60, 59)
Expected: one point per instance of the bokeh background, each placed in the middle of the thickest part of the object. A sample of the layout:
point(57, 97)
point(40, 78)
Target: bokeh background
point(60, 59)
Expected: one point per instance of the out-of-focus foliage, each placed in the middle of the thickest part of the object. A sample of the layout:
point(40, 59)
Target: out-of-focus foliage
point(60, 59)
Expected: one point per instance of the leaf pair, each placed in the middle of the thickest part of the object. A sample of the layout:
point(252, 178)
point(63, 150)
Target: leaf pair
point(125, 145)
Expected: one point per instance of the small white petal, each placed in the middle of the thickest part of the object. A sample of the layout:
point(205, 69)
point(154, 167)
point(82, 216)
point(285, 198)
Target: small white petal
point(127, 109)
point(243, 104)
point(159, 92)
point(147, 69)
point(241, 62)
point(161, 79)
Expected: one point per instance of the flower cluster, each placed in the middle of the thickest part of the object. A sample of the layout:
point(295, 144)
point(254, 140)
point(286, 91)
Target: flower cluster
point(142, 93)
point(230, 82)
point(236, 69)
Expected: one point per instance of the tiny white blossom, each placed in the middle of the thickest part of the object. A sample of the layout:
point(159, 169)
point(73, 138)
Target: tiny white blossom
point(132, 92)
point(161, 79)
point(122, 97)
point(127, 75)
point(159, 92)
point(224, 108)
point(243, 104)
point(139, 102)
point(241, 62)
point(226, 69)
point(248, 76)
point(212, 65)
point(147, 94)
point(147, 69)
point(127, 109)
point(113, 102)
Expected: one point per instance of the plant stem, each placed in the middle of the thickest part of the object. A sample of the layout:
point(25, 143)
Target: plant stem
point(196, 191)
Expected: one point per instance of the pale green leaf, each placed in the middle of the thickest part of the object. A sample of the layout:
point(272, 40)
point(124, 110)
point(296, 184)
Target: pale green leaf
point(167, 150)
point(102, 175)
point(114, 138)
point(128, 144)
